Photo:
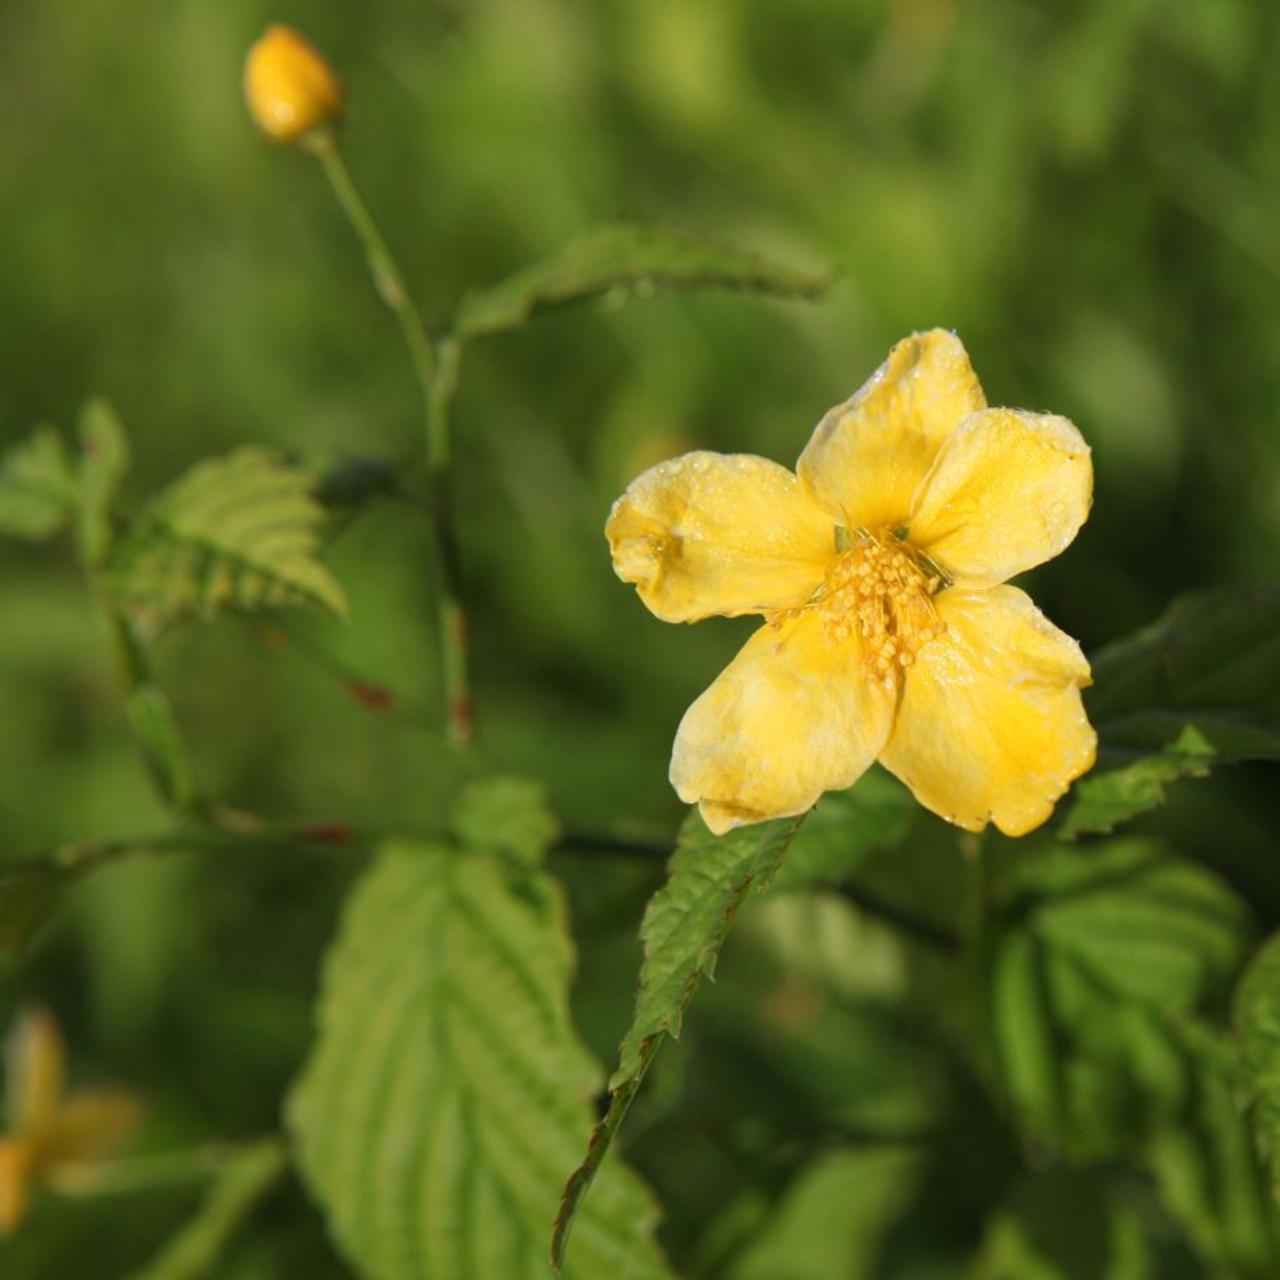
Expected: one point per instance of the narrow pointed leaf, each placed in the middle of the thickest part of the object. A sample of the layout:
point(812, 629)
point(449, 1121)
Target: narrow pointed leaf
point(684, 927)
point(845, 828)
point(625, 261)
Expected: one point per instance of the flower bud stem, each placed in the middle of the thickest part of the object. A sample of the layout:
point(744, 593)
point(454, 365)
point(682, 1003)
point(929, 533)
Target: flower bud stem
point(436, 367)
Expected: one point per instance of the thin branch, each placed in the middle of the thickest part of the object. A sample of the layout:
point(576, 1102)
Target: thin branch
point(901, 918)
point(436, 368)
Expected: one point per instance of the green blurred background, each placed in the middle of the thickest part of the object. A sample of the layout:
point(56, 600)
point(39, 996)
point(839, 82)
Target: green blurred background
point(1088, 193)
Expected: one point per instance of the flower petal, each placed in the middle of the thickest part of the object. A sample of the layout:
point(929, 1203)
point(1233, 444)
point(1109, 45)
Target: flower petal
point(712, 533)
point(790, 717)
point(34, 1078)
point(1008, 491)
point(18, 1162)
point(991, 725)
point(867, 456)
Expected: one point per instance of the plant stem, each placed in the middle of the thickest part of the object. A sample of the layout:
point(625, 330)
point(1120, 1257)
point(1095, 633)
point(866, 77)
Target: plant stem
point(905, 921)
point(141, 1173)
point(436, 368)
point(452, 619)
point(82, 856)
point(155, 728)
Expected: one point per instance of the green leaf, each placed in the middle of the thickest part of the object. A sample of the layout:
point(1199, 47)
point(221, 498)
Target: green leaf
point(845, 828)
point(506, 815)
point(1026, 1039)
point(688, 919)
point(1066, 1225)
point(1206, 1167)
point(1200, 687)
point(1104, 800)
point(232, 1195)
point(447, 1091)
point(1103, 964)
point(1257, 1023)
point(1216, 649)
point(684, 927)
point(37, 492)
point(1082, 940)
point(104, 460)
point(620, 262)
point(28, 894)
point(236, 532)
point(833, 1223)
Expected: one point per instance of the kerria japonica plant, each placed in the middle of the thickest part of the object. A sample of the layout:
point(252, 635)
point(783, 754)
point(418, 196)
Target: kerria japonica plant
point(952, 990)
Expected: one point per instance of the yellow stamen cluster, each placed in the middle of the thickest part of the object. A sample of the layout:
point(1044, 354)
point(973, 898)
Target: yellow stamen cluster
point(877, 597)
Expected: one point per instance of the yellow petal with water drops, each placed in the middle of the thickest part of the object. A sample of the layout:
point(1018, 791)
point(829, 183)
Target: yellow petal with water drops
point(34, 1071)
point(793, 715)
point(991, 726)
point(712, 533)
point(867, 456)
point(17, 1175)
point(1008, 491)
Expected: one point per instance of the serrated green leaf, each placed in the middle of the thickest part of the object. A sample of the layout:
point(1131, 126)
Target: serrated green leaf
point(1102, 964)
point(625, 261)
point(684, 927)
point(1145, 926)
point(846, 827)
point(506, 815)
point(236, 532)
point(688, 919)
point(447, 1090)
point(104, 450)
point(1082, 937)
point(37, 492)
point(232, 1195)
point(1198, 688)
point(1105, 800)
point(1257, 1025)
point(28, 894)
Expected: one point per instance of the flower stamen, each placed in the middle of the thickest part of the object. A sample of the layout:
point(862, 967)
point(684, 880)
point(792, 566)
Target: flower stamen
point(879, 595)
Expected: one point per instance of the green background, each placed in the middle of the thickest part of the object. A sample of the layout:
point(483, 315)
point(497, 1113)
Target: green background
point(1088, 193)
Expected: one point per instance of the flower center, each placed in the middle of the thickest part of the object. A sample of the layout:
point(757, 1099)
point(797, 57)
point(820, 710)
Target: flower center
point(879, 596)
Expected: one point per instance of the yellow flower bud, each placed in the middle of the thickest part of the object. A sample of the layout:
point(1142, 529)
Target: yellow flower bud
point(289, 87)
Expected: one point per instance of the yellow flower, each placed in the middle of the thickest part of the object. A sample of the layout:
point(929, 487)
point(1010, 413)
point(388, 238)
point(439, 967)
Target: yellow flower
point(879, 568)
point(291, 90)
point(49, 1133)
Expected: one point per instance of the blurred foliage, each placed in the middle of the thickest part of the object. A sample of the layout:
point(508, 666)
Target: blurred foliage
point(961, 1059)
